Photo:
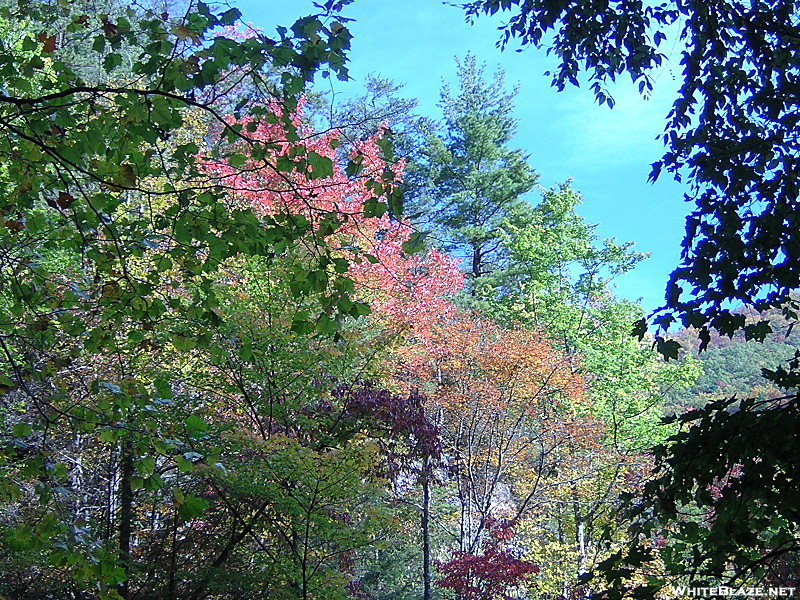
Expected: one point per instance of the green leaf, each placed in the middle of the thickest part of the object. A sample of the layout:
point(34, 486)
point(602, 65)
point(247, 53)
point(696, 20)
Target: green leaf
point(326, 325)
point(111, 61)
point(196, 424)
point(284, 163)
point(146, 466)
point(321, 166)
point(182, 343)
point(374, 208)
point(192, 507)
point(229, 17)
point(21, 430)
point(237, 160)
point(126, 176)
point(415, 243)
point(639, 329)
point(302, 326)
point(354, 166)
point(669, 349)
point(360, 309)
point(184, 466)
point(386, 146)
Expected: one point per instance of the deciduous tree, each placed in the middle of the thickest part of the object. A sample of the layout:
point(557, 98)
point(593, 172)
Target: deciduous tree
point(732, 133)
point(124, 257)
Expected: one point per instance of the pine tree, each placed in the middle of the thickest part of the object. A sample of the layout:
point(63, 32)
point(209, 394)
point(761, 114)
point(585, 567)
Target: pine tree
point(471, 180)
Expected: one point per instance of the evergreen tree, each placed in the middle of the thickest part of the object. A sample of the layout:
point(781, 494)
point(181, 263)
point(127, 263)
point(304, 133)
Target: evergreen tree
point(471, 180)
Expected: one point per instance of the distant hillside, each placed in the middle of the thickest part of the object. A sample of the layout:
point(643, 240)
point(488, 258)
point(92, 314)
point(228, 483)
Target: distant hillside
point(732, 366)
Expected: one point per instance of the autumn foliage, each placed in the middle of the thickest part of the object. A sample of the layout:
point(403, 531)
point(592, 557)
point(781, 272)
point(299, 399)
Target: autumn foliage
point(493, 573)
point(347, 209)
point(236, 370)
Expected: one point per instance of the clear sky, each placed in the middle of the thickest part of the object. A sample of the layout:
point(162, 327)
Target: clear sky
point(607, 152)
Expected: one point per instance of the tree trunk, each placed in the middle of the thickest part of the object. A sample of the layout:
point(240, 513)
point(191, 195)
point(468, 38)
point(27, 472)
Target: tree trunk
point(125, 515)
point(427, 576)
point(580, 535)
point(477, 261)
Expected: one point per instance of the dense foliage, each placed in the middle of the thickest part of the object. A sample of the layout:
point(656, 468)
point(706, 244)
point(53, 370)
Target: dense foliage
point(732, 134)
point(731, 130)
point(231, 368)
point(470, 181)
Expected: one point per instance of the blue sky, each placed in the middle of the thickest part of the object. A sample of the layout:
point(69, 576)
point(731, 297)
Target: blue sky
point(607, 152)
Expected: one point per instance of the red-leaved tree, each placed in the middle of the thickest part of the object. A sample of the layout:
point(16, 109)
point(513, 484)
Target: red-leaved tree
point(492, 573)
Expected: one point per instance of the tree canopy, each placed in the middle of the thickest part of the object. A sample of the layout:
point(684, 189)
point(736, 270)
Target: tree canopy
point(732, 135)
point(470, 180)
point(230, 368)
